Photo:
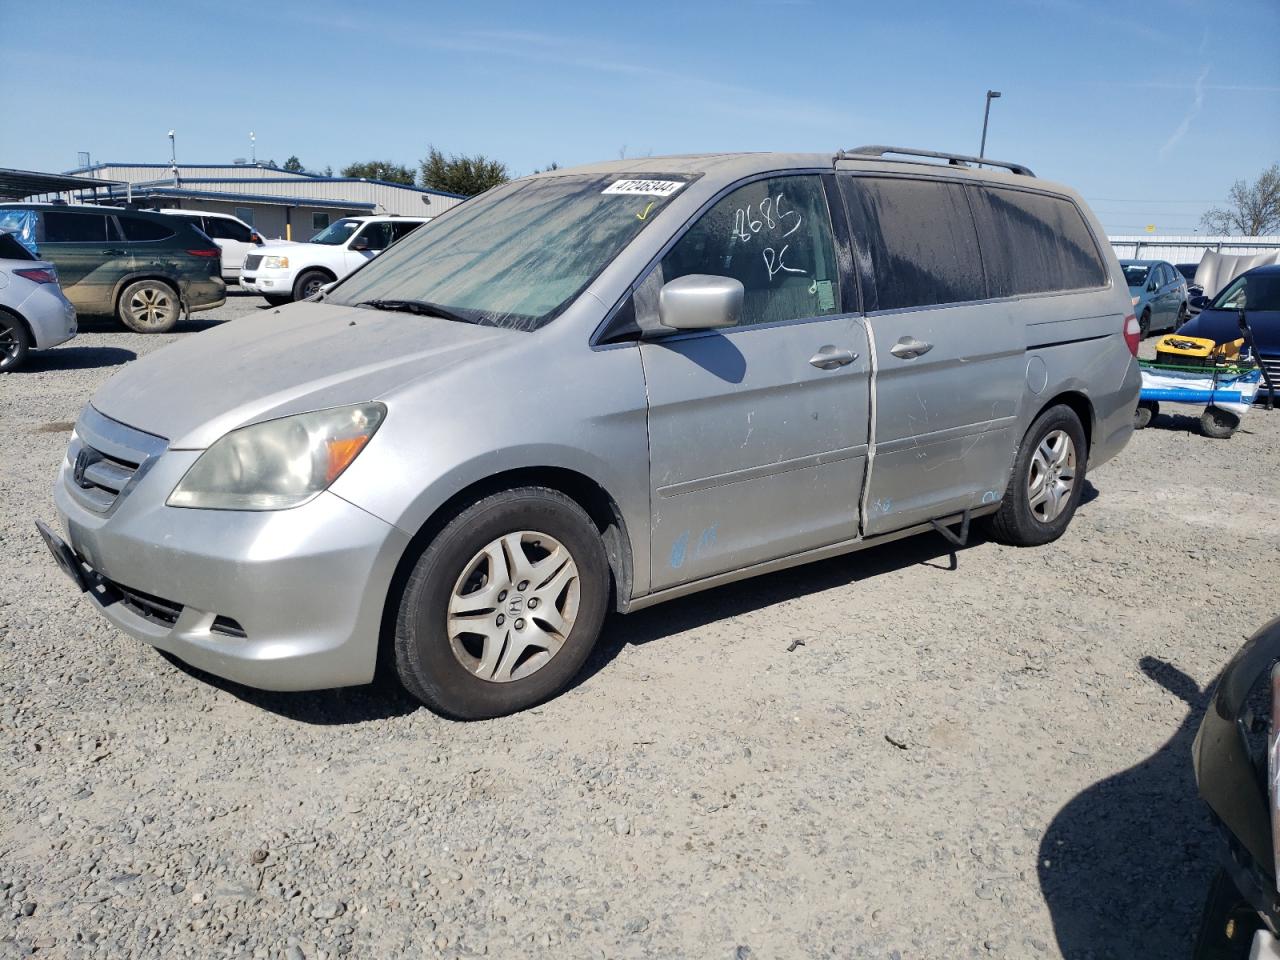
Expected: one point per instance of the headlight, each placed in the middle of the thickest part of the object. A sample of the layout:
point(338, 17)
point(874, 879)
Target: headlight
point(275, 263)
point(280, 463)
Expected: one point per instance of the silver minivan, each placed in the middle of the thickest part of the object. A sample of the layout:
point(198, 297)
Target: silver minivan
point(597, 389)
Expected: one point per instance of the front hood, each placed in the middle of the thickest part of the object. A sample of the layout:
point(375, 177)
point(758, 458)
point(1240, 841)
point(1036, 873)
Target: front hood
point(284, 246)
point(306, 356)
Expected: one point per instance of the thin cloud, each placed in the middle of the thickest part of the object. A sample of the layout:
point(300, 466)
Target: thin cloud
point(1197, 102)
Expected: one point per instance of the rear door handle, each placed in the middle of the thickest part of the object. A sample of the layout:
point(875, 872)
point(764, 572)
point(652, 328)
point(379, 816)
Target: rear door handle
point(828, 358)
point(908, 348)
point(114, 253)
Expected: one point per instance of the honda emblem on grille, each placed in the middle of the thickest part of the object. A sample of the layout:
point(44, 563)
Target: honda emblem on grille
point(516, 604)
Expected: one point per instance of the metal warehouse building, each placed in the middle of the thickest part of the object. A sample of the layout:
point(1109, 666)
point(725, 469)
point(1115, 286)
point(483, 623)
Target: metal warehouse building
point(1188, 249)
point(277, 203)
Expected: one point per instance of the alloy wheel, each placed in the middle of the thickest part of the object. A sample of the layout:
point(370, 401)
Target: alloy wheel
point(152, 305)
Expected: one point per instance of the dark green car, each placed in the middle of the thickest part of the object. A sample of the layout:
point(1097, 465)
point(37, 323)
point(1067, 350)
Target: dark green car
point(144, 268)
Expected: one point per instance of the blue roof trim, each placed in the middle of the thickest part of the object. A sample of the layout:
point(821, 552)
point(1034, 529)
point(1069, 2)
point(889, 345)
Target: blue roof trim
point(291, 176)
point(150, 191)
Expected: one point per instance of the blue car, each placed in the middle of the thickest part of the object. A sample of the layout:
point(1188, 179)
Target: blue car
point(1258, 293)
point(1158, 293)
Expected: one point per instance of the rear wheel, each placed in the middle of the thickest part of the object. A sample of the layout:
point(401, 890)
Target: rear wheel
point(1144, 324)
point(502, 609)
point(1047, 481)
point(149, 306)
point(1218, 423)
point(1147, 411)
point(14, 342)
point(309, 283)
point(1183, 316)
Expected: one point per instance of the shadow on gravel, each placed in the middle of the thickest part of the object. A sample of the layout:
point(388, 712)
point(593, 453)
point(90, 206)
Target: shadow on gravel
point(379, 700)
point(697, 610)
point(75, 358)
point(1125, 866)
point(97, 325)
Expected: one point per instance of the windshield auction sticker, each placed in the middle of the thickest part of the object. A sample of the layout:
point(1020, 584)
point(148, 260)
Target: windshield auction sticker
point(644, 188)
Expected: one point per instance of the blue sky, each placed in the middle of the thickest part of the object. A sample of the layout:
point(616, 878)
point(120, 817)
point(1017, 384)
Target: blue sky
point(1150, 109)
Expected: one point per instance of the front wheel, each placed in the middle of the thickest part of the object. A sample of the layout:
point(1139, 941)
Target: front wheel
point(149, 306)
point(1047, 481)
point(1144, 325)
point(1147, 411)
point(502, 609)
point(1183, 316)
point(308, 284)
point(1217, 423)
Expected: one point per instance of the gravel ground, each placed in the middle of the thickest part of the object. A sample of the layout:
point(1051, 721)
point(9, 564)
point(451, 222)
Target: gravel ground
point(988, 761)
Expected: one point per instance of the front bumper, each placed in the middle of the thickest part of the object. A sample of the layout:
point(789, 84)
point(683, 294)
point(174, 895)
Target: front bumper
point(277, 283)
point(281, 600)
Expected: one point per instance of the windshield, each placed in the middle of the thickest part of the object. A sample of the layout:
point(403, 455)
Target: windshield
point(1134, 274)
point(517, 255)
point(336, 233)
point(1257, 292)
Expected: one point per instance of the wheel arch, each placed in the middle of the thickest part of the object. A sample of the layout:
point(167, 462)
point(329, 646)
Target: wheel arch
point(1081, 405)
point(588, 493)
point(26, 324)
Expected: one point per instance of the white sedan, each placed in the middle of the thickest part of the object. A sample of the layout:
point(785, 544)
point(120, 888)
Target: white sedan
point(34, 314)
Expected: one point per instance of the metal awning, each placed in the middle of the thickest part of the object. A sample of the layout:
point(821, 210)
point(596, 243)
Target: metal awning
point(20, 184)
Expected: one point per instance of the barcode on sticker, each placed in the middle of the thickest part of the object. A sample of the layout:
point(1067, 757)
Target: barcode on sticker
point(644, 188)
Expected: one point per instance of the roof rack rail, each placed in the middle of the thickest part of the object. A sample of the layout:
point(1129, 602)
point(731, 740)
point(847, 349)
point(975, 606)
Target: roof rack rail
point(954, 159)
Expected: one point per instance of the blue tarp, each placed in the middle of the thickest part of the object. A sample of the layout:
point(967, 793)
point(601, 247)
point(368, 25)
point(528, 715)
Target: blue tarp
point(22, 224)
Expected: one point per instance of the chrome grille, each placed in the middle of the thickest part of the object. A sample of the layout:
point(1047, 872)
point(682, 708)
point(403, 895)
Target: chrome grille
point(1273, 368)
point(107, 459)
point(253, 261)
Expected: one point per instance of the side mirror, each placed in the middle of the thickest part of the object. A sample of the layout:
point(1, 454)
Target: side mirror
point(1199, 302)
point(1151, 287)
point(256, 238)
point(700, 302)
point(360, 243)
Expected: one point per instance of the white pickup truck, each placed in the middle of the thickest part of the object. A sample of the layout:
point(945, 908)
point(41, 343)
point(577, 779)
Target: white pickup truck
point(297, 271)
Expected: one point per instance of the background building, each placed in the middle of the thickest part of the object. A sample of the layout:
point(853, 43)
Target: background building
point(1184, 249)
point(279, 204)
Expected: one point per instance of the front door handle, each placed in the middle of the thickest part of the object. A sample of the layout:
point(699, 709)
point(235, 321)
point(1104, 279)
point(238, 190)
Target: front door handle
point(908, 348)
point(828, 358)
point(114, 253)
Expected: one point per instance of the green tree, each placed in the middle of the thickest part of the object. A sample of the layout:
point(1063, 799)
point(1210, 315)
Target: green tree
point(1253, 208)
point(294, 165)
point(462, 174)
point(380, 170)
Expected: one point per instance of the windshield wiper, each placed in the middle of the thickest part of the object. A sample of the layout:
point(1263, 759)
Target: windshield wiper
point(423, 308)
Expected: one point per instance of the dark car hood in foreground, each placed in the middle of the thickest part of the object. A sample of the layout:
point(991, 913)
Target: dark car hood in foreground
point(1223, 326)
point(307, 356)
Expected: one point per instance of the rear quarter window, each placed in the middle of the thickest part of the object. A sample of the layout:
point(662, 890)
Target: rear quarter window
point(138, 229)
point(1035, 243)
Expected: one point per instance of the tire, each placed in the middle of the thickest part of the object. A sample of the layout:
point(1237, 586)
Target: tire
point(309, 283)
point(1144, 325)
point(1022, 523)
point(1147, 411)
point(15, 342)
point(149, 306)
point(1217, 423)
point(472, 676)
point(276, 300)
point(1183, 316)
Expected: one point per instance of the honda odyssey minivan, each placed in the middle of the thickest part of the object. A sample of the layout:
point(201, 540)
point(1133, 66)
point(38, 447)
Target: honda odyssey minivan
point(597, 389)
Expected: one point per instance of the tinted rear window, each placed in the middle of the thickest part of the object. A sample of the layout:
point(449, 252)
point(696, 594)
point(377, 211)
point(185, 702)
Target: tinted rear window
point(920, 239)
point(11, 249)
point(65, 227)
point(220, 229)
point(136, 228)
point(1033, 243)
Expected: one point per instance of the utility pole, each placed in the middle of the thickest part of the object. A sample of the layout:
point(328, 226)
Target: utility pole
point(986, 116)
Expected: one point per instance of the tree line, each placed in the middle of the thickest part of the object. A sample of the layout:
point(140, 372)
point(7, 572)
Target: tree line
point(463, 174)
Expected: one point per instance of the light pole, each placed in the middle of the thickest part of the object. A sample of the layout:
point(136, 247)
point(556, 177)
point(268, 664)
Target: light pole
point(253, 148)
point(173, 157)
point(986, 115)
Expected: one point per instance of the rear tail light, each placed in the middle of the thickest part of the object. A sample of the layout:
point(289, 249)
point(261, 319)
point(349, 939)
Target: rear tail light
point(39, 274)
point(1132, 333)
point(213, 252)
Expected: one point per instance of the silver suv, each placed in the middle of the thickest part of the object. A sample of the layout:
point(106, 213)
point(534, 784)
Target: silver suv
point(599, 389)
